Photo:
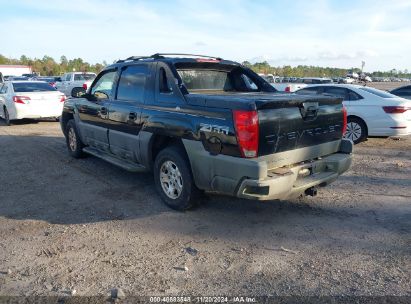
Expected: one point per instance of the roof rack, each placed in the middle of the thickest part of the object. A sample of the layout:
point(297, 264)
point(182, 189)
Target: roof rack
point(134, 58)
point(164, 55)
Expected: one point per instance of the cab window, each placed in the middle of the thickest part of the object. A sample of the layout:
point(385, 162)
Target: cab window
point(131, 84)
point(163, 84)
point(102, 89)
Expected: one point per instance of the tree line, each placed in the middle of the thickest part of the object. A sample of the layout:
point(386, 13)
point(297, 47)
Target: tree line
point(48, 66)
point(316, 71)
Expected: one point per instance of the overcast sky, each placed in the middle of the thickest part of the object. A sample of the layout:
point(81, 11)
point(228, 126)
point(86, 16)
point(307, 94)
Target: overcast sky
point(317, 32)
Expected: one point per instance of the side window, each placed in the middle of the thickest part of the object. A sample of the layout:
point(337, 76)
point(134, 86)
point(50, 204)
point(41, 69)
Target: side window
point(68, 77)
point(339, 92)
point(354, 96)
point(164, 86)
point(78, 77)
point(103, 87)
point(131, 84)
point(406, 91)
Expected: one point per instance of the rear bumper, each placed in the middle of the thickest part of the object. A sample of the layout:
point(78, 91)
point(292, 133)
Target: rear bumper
point(254, 178)
point(32, 112)
point(294, 181)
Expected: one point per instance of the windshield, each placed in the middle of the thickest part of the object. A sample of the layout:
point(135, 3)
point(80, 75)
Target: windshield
point(20, 87)
point(379, 93)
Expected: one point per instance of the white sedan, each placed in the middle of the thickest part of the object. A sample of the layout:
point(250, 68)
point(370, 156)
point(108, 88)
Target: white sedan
point(370, 112)
point(29, 99)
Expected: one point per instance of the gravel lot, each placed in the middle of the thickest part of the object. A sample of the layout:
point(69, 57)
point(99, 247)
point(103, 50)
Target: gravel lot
point(388, 86)
point(88, 226)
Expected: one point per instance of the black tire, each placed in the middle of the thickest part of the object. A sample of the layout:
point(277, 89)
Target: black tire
point(74, 144)
point(6, 117)
point(185, 195)
point(356, 130)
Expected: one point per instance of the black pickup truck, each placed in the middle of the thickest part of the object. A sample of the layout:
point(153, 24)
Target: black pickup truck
point(206, 124)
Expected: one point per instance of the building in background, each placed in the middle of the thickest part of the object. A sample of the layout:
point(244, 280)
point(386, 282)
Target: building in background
point(15, 70)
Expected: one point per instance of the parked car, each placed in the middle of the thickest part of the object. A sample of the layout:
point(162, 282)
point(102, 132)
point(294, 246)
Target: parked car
point(347, 80)
point(207, 124)
point(293, 84)
point(404, 92)
point(315, 80)
point(50, 80)
point(29, 99)
point(288, 87)
point(371, 112)
point(73, 82)
point(17, 78)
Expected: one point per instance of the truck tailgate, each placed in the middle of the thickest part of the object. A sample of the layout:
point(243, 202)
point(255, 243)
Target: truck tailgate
point(301, 121)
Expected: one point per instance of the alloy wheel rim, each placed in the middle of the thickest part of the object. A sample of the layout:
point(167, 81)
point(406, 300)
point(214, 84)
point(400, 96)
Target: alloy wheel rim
point(72, 139)
point(354, 131)
point(171, 179)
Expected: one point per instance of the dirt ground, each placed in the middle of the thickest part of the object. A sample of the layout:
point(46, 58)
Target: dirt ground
point(84, 227)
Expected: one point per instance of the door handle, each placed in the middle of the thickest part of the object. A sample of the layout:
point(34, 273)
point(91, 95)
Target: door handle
point(103, 111)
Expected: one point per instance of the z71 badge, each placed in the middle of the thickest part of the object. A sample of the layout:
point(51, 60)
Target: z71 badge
point(214, 129)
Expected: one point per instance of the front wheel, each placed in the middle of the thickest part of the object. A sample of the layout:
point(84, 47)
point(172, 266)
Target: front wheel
point(74, 143)
point(173, 179)
point(356, 130)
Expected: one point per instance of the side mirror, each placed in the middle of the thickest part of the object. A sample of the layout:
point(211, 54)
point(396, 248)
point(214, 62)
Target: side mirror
point(78, 92)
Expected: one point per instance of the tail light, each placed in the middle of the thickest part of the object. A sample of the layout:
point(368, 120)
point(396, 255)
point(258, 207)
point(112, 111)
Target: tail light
point(246, 126)
point(53, 84)
point(395, 109)
point(344, 128)
point(85, 86)
point(63, 98)
point(288, 89)
point(21, 99)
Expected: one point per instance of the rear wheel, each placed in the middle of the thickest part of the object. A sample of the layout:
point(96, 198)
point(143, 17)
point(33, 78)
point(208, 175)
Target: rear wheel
point(74, 143)
point(173, 179)
point(356, 130)
point(6, 116)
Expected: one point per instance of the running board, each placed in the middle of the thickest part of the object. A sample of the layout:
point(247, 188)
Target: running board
point(127, 165)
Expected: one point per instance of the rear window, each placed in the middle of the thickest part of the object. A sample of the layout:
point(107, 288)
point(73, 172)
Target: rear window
point(378, 92)
point(21, 87)
point(84, 77)
point(203, 79)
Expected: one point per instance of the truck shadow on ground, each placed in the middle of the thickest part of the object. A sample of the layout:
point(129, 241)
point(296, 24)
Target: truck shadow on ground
point(41, 182)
